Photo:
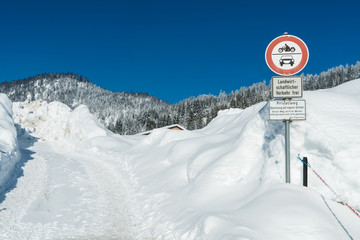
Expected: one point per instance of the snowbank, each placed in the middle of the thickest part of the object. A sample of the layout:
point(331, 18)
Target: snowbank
point(226, 181)
point(9, 154)
point(329, 138)
point(55, 121)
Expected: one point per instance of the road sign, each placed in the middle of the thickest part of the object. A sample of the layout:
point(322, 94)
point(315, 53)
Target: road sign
point(286, 55)
point(287, 110)
point(287, 87)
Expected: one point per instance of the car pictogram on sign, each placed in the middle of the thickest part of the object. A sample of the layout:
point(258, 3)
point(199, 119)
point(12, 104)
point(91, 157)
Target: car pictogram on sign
point(287, 59)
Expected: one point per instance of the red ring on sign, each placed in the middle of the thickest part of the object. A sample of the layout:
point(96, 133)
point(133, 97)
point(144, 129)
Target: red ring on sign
point(292, 71)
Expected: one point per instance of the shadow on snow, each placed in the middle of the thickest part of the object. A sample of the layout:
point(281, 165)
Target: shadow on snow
point(25, 140)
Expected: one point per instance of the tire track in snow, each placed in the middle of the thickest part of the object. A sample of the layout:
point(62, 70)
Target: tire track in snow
point(64, 195)
point(17, 200)
point(112, 199)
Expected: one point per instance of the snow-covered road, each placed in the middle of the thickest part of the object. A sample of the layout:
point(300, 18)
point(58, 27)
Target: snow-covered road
point(65, 195)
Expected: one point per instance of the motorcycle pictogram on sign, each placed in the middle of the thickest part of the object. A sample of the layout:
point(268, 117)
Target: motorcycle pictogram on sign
point(286, 48)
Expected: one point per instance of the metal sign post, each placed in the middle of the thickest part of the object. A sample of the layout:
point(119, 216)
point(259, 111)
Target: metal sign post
point(287, 110)
point(287, 55)
point(287, 151)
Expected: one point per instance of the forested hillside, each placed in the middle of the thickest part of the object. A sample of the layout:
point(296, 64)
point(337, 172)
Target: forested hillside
point(130, 113)
point(74, 90)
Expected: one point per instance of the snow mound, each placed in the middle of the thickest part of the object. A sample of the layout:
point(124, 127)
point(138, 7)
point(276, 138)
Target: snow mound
point(225, 181)
point(9, 154)
point(55, 121)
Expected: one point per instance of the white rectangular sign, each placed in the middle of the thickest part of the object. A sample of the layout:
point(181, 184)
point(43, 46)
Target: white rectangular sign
point(287, 110)
point(287, 87)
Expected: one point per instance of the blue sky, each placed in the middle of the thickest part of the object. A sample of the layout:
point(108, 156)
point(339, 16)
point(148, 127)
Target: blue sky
point(171, 49)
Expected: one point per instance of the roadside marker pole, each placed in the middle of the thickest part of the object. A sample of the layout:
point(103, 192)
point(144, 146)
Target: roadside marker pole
point(332, 190)
point(305, 171)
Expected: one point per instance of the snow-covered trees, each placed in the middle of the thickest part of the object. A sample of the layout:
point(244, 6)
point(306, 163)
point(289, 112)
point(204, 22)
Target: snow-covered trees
point(332, 77)
point(130, 113)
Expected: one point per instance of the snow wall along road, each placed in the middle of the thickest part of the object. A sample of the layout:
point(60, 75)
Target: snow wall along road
point(9, 153)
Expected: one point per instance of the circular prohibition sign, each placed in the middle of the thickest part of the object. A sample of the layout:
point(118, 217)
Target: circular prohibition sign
point(286, 55)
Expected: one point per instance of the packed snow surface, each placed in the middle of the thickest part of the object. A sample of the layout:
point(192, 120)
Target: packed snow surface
point(226, 181)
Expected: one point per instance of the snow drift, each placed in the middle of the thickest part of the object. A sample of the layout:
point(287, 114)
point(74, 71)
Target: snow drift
point(225, 180)
point(9, 154)
point(56, 121)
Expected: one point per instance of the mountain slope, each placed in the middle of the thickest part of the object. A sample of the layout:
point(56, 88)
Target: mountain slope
point(74, 90)
point(129, 113)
